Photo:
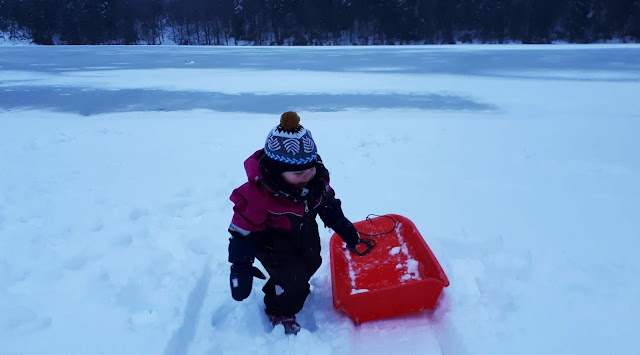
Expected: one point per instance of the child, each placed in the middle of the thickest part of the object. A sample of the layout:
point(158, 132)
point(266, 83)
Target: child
point(275, 221)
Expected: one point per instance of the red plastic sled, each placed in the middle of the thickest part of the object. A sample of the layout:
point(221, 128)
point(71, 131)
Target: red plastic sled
point(400, 275)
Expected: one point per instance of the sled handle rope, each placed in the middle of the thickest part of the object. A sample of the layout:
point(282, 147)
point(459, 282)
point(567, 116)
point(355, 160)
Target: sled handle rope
point(369, 242)
point(395, 224)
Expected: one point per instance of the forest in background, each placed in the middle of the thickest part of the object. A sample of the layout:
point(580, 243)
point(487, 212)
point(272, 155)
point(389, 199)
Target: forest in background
point(319, 22)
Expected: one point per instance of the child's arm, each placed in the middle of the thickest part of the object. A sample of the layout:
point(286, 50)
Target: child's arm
point(246, 225)
point(333, 217)
point(241, 256)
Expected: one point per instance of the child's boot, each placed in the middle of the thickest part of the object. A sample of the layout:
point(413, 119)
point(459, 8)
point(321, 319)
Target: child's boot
point(289, 323)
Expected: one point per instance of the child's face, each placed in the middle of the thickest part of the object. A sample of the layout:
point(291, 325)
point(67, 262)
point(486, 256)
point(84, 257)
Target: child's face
point(299, 178)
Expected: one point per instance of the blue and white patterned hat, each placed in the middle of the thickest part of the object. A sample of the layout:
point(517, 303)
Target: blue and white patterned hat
point(291, 145)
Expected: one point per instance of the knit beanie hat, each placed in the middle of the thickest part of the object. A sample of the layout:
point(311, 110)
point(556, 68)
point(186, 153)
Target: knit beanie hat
point(290, 146)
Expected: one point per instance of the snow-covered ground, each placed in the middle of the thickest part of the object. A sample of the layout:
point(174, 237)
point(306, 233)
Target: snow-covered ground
point(518, 164)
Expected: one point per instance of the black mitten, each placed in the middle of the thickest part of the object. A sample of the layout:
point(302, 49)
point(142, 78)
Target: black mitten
point(241, 279)
point(334, 218)
point(350, 235)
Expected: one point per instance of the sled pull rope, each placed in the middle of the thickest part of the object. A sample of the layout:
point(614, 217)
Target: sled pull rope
point(369, 242)
point(395, 224)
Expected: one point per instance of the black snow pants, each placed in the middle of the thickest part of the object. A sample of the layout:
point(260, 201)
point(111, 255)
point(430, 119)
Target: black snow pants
point(290, 259)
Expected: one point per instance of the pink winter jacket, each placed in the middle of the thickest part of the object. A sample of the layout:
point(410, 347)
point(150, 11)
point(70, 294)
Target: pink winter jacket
point(258, 208)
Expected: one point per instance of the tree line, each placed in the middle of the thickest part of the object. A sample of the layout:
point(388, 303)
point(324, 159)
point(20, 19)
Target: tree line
point(319, 22)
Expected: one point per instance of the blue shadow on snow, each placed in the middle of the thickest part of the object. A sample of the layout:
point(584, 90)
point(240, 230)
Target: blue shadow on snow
point(96, 101)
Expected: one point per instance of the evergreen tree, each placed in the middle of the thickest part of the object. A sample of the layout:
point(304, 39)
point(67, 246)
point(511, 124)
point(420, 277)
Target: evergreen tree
point(579, 20)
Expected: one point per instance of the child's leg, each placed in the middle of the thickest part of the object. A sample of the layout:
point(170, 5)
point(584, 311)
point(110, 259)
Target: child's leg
point(290, 268)
point(287, 288)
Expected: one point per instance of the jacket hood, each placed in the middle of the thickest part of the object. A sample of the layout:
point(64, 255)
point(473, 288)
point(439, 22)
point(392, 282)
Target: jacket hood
point(252, 166)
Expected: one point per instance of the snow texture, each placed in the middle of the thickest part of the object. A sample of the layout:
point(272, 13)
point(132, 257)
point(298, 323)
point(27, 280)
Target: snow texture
point(353, 273)
point(410, 265)
point(519, 165)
